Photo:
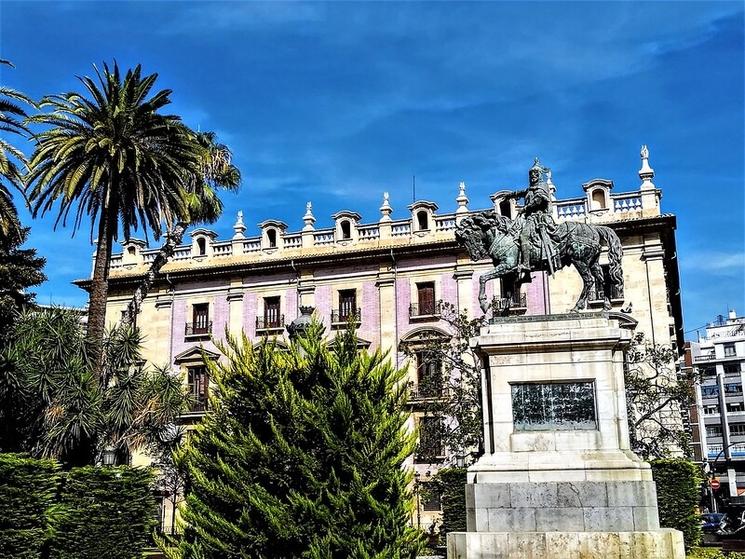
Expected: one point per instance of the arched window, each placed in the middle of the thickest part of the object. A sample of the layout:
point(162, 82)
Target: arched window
point(346, 230)
point(423, 220)
point(131, 250)
point(505, 209)
point(598, 199)
point(271, 237)
point(201, 246)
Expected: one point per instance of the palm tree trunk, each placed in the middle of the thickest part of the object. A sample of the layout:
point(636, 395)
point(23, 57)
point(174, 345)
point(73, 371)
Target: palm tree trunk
point(100, 288)
point(174, 238)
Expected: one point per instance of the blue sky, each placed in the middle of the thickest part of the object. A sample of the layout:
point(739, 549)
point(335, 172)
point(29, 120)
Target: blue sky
point(336, 103)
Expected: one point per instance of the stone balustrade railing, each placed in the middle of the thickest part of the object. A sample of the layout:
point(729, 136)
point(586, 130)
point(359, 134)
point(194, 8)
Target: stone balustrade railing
point(575, 209)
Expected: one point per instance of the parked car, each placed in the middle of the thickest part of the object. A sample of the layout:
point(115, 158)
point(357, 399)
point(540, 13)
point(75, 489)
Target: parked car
point(712, 522)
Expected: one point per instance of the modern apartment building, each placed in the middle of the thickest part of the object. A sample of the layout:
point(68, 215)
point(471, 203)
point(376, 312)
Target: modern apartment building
point(390, 275)
point(718, 416)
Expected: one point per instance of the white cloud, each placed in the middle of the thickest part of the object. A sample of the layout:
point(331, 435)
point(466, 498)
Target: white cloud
point(716, 261)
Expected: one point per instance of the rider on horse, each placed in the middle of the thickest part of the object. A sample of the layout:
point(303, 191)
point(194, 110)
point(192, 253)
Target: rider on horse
point(538, 225)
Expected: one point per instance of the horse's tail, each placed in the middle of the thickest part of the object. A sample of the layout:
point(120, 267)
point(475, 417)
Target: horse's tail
point(615, 253)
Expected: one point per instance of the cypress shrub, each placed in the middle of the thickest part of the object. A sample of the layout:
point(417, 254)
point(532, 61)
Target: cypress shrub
point(27, 492)
point(104, 512)
point(678, 494)
point(301, 456)
point(450, 483)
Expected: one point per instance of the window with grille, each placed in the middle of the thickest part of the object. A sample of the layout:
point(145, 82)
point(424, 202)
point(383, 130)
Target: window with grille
point(735, 407)
point(198, 387)
point(733, 388)
point(271, 312)
point(430, 439)
point(347, 304)
point(429, 375)
point(732, 369)
point(737, 428)
point(426, 297)
point(430, 499)
point(711, 409)
point(201, 318)
point(713, 431)
point(729, 350)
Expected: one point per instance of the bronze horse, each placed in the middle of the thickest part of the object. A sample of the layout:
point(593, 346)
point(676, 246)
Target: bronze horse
point(490, 235)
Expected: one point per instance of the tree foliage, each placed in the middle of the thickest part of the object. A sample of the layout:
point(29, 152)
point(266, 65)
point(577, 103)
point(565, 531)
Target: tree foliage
point(457, 378)
point(111, 155)
point(12, 160)
point(300, 456)
point(53, 405)
point(20, 268)
point(449, 484)
point(655, 396)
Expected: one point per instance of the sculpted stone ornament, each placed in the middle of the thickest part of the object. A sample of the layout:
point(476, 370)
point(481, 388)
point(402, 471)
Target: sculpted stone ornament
point(534, 242)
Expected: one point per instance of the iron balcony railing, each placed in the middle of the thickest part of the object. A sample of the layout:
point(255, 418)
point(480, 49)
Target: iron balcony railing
point(199, 404)
point(427, 309)
point(343, 316)
point(426, 392)
point(270, 323)
point(198, 328)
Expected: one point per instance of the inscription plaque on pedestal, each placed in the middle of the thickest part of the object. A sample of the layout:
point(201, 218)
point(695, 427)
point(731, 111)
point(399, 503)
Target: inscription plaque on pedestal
point(540, 406)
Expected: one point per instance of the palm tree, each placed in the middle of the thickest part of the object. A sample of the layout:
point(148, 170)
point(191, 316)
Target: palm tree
point(10, 121)
point(216, 172)
point(111, 156)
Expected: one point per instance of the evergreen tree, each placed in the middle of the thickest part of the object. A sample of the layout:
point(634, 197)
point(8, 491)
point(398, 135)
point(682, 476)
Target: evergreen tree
point(301, 456)
point(20, 268)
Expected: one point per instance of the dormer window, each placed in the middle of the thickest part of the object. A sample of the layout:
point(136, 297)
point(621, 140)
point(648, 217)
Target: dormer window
point(271, 237)
point(131, 250)
point(505, 209)
point(423, 220)
point(346, 230)
point(201, 246)
point(598, 200)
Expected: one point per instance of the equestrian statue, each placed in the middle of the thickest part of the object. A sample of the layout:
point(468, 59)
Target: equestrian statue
point(534, 242)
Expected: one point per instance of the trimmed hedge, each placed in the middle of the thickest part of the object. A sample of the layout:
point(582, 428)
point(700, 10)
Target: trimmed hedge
point(84, 513)
point(678, 494)
point(450, 483)
point(27, 492)
point(105, 512)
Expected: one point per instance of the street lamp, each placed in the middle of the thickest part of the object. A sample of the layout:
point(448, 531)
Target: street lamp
point(417, 475)
point(108, 456)
point(460, 460)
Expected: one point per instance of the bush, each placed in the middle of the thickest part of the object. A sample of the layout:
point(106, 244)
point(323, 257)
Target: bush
point(450, 483)
point(104, 512)
point(678, 494)
point(712, 553)
point(27, 491)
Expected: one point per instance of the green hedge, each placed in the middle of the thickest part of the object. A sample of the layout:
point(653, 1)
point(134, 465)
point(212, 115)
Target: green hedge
point(84, 513)
point(27, 492)
point(450, 483)
point(105, 512)
point(712, 553)
point(678, 494)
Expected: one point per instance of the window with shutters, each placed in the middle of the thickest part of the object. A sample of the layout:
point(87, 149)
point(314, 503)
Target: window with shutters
point(729, 350)
point(347, 307)
point(200, 320)
point(272, 316)
point(198, 387)
point(425, 305)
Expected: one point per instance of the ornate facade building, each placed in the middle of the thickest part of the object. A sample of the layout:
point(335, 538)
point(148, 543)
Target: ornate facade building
point(389, 274)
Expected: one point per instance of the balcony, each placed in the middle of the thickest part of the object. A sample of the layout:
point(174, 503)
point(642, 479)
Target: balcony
point(268, 324)
point(698, 358)
point(422, 392)
point(342, 317)
point(425, 312)
point(194, 330)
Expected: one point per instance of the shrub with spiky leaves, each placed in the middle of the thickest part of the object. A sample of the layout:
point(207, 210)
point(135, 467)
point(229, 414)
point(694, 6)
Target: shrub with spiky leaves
point(301, 456)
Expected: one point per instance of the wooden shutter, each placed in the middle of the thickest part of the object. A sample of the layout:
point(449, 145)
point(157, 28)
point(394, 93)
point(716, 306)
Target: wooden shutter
point(426, 293)
point(271, 312)
point(201, 318)
point(347, 304)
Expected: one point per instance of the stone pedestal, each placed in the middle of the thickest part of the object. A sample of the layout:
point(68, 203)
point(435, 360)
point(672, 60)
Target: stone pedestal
point(558, 478)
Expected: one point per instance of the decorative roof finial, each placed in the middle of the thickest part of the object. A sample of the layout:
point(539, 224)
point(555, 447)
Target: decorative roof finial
point(462, 199)
point(308, 218)
point(386, 210)
point(551, 185)
point(239, 227)
point(646, 173)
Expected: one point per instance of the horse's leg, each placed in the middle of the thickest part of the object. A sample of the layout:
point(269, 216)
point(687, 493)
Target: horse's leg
point(587, 281)
point(597, 274)
point(498, 271)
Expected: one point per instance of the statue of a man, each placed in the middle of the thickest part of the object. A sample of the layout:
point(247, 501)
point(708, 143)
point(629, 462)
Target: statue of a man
point(536, 213)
